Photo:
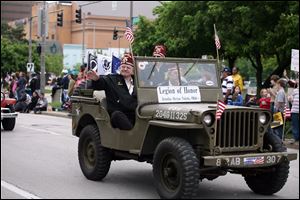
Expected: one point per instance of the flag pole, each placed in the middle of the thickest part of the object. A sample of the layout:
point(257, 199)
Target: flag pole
point(283, 127)
point(217, 48)
point(216, 125)
point(284, 116)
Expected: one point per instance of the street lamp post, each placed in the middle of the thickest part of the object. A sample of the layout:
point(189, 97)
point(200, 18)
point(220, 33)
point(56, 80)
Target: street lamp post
point(94, 37)
point(42, 76)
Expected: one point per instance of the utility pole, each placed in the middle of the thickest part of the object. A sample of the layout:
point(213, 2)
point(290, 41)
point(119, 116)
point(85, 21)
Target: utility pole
point(42, 76)
point(30, 40)
point(83, 36)
point(131, 14)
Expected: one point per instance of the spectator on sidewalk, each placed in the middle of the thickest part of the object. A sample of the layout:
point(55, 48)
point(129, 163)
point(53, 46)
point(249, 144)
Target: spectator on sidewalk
point(273, 90)
point(265, 99)
point(41, 105)
point(65, 85)
point(33, 102)
point(279, 104)
point(237, 78)
point(237, 98)
point(227, 85)
point(71, 84)
point(21, 84)
point(22, 102)
point(34, 83)
point(294, 98)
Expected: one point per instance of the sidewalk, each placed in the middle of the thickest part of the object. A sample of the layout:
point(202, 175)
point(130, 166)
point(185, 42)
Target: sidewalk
point(54, 113)
point(292, 146)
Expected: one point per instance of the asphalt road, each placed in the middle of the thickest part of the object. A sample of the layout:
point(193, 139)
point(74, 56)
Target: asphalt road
point(39, 160)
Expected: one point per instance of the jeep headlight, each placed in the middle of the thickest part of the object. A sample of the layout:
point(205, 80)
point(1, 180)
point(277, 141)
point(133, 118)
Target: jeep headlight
point(208, 119)
point(262, 118)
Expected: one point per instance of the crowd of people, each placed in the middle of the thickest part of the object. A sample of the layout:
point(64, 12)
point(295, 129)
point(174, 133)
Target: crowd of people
point(25, 88)
point(274, 98)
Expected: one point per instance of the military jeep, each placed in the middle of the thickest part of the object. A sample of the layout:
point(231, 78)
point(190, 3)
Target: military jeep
point(177, 132)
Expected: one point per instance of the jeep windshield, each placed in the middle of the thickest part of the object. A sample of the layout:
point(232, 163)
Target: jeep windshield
point(175, 73)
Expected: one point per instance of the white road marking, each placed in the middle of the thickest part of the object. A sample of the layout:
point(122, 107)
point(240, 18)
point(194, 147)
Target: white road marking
point(37, 129)
point(18, 191)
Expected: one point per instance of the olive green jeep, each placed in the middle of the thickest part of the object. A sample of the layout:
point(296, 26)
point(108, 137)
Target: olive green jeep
point(177, 132)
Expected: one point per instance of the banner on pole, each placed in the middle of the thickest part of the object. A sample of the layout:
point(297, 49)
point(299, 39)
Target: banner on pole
point(295, 60)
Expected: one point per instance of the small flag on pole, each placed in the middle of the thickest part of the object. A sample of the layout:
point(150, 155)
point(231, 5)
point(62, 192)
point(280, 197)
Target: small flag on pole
point(221, 106)
point(287, 112)
point(217, 41)
point(129, 34)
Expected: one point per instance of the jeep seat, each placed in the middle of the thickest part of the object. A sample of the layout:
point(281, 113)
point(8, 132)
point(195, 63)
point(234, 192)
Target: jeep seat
point(101, 97)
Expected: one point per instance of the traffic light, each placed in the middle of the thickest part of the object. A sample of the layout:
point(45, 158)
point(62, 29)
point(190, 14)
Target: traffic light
point(115, 35)
point(60, 19)
point(78, 16)
point(39, 49)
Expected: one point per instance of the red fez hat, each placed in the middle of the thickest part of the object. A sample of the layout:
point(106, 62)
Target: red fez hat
point(159, 51)
point(127, 60)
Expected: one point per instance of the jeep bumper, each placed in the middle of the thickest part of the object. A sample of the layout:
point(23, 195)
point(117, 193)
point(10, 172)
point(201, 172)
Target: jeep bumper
point(7, 115)
point(248, 160)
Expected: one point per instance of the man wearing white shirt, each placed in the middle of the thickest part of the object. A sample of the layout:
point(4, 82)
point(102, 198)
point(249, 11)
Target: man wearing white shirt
point(227, 85)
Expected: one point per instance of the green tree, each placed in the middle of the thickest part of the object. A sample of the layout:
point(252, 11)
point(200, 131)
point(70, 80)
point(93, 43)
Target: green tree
point(54, 63)
point(14, 55)
point(13, 33)
point(256, 30)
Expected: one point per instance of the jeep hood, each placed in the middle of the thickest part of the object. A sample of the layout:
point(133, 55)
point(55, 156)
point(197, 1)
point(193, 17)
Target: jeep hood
point(181, 111)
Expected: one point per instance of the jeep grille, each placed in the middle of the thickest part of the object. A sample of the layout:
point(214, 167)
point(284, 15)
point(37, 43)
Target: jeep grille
point(237, 129)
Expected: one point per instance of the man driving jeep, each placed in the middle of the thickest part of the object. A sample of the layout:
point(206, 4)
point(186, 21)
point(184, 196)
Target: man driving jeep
point(120, 93)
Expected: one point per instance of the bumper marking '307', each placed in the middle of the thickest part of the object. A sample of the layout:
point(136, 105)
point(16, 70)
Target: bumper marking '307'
point(248, 160)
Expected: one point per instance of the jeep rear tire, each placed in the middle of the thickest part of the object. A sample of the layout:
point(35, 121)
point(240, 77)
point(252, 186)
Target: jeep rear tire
point(9, 124)
point(94, 159)
point(175, 169)
point(270, 182)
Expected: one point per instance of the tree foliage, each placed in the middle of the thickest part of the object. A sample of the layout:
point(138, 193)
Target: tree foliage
point(14, 53)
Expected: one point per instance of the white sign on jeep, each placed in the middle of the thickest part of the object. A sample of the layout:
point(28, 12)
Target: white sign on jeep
point(176, 94)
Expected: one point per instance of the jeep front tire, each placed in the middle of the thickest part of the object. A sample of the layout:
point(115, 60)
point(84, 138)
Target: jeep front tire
point(94, 159)
point(271, 182)
point(175, 169)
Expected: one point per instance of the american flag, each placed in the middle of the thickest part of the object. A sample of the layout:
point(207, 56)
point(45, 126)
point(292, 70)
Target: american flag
point(129, 34)
point(254, 160)
point(220, 109)
point(287, 112)
point(217, 41)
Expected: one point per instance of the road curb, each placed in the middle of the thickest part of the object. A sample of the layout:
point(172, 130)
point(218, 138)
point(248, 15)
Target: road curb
point(57, 114)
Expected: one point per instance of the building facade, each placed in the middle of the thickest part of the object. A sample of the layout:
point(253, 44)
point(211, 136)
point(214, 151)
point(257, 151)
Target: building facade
point(15, 10)
point(99, 21)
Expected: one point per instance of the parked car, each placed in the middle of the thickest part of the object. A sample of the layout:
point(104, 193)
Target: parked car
point(8, 115)
point(176, 131)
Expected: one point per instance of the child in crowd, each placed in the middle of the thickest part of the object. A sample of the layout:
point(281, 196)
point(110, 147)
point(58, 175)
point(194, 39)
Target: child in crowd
point(237, 98)
point(265, 100)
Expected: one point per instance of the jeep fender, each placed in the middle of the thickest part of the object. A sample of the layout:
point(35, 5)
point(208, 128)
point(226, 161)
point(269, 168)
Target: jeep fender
point(158, 130)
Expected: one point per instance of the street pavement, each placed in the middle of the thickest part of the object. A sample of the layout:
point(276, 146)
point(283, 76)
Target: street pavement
point(39, 160)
